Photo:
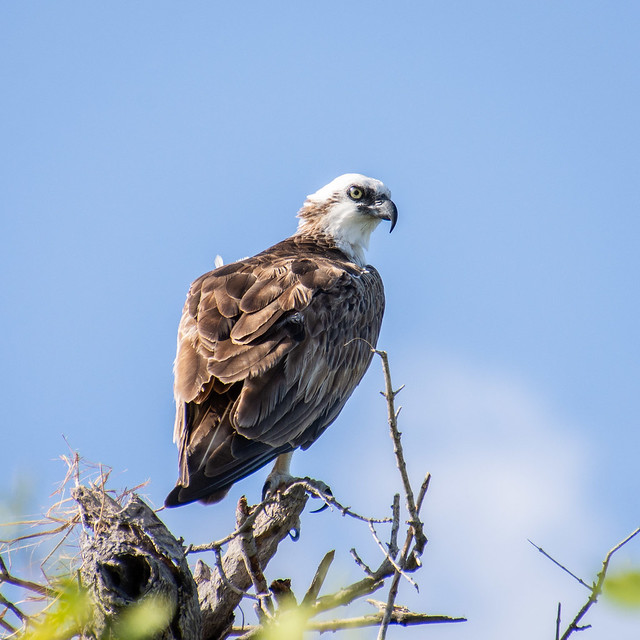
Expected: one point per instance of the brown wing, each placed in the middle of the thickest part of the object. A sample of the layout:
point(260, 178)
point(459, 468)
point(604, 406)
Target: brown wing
point(269, 350)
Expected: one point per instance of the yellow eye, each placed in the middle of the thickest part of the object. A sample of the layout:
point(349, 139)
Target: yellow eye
point(355, 193)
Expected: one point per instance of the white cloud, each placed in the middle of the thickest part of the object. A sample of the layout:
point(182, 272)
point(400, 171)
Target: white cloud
point(505, 469)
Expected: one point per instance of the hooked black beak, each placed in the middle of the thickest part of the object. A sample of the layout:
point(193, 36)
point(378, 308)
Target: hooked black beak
point(386, 210)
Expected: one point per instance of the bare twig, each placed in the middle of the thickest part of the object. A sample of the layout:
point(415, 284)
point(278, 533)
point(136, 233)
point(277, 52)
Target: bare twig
point(38, 534)
point(391, 561)
point(62, 540)
point(392, 416)
point(13, 608)
point(241, 592)
point(423, 492)
point(348, 594)
point(5, 625)
point(331, 501)
point(416, 529)
point(393, 589)
point(308, 486)
point(318, 580)
point(546, 555)
point(256, 510)
point(360, 562)
point(596, 588)
point(393, 538)
point(40, 589)
point(400, 617)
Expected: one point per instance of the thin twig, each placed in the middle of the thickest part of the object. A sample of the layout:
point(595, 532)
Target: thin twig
point(257, 509)
point(331, 501)
point(40, 589)
point(360, 562)
point(73, 523)
point(401, 617)
point(393, 538)
point(416, 529)
point(392, 416)
point(225, 579)
point(387, 614)
point(5, 625)
point(248, 523)
point(39, 534)
point(393, 563)
point(546, 555)
point(423, 492)
point(348, 594)
point(596, 590)
point(13, 608)
point(393, 589)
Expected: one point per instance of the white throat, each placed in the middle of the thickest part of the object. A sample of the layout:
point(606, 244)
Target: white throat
point(350, 230)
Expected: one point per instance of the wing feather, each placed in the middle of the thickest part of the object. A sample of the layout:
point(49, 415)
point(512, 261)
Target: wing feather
point(270, 348)
point(227, 305)
point(253, 325)
point(262, 293)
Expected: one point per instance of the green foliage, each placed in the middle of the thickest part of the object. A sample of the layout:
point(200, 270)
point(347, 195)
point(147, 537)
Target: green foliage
point(144, 619)
point(70, 611)
point(288, 626)
point(623, 588)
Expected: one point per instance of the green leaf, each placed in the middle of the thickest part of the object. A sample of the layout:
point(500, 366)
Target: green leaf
point(144, 619)
point(69, 613)
point(623, 588)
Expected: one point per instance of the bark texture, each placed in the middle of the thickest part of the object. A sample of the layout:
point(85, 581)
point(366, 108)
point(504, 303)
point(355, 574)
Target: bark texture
point(128, 555)
point(217, 600)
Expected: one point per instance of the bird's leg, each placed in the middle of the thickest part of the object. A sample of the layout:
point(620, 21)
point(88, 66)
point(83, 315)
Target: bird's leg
point(279, 474)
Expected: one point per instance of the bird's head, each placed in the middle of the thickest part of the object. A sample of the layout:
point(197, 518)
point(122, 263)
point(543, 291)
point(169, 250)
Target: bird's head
point(348, 209)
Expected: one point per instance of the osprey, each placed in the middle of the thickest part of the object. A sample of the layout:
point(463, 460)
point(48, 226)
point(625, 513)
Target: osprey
point(271, 347)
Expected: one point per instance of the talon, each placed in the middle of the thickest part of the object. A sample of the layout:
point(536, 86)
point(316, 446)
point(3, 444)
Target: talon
point(322, 508)
point(266, 489)
point(321, 487)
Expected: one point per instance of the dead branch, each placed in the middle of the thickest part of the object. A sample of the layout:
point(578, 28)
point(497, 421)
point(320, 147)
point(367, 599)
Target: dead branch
point(271, 525)
point(361, 622)
point(595, 589)
point(35, 587)
point(558, 564)
point(318, 580)
point(392, 415)
point(395, 562)
point(249, 550)
point(128, 555)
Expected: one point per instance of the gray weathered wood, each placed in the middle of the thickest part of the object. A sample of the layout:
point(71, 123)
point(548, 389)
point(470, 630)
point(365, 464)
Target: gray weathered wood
point(127, 555)
point(217, 600)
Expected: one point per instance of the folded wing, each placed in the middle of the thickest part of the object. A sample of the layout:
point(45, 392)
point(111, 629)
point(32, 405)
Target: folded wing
point(269, 350)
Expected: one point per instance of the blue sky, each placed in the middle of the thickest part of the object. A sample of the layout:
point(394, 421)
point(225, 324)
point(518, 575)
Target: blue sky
point(139, 140)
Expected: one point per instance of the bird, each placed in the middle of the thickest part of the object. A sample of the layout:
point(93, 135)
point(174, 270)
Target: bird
point(271, 347)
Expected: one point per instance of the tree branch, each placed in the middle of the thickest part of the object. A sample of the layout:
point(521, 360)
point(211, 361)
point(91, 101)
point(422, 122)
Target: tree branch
point(595, 589)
